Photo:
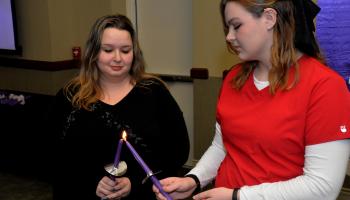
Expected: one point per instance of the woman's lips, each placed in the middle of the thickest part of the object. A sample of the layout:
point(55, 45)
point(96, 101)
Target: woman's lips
point(116, 68)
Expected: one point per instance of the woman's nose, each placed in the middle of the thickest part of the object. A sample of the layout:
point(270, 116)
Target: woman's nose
point(117, 56)
point(230, 37)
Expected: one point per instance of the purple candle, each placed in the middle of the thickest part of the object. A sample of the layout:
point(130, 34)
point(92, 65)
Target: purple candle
point(117, 154)
point(147, 170)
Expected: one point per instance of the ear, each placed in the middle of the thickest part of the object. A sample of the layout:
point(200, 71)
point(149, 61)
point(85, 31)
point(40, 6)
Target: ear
point(270, 16)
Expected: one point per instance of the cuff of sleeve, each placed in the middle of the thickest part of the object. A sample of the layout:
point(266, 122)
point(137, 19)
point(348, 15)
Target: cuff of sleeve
point(235, 194)
point(198, 184)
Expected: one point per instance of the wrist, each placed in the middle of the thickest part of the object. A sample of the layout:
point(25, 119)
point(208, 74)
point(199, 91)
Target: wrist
point(235, 194)
point(196, 181)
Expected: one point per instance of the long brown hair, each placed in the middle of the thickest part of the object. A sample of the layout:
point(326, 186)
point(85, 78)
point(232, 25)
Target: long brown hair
point(283, 50)
point(84, 90)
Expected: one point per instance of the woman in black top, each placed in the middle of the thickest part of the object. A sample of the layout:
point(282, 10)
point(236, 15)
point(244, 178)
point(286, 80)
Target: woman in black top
point(113, 93)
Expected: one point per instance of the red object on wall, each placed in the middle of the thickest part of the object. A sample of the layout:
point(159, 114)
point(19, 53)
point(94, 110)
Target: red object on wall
point(76, 52)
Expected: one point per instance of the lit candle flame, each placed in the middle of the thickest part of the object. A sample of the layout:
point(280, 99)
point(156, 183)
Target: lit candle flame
point(124, 135)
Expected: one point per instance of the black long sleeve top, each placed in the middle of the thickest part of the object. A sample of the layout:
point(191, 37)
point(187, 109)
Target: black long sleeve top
point(87, 140)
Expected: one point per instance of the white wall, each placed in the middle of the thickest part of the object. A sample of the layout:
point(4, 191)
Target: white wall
point(165, 33)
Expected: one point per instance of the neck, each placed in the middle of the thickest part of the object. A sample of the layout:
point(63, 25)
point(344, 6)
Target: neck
point(263, 68)
point(115, 90)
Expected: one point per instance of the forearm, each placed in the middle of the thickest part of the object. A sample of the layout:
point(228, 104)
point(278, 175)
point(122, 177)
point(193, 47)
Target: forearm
point(324, 172)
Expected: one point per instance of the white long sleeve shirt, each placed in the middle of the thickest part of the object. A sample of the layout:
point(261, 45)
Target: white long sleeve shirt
point(324, 171)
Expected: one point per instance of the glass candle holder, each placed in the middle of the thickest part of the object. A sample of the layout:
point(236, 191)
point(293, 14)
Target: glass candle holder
point(116, 171)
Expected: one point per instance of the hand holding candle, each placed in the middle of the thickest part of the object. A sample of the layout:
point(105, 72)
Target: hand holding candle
point(146, 169)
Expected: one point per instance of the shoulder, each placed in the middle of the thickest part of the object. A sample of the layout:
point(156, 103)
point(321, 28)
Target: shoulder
point(232, 72)
point(235, 69)
point(318, 74)
point(63, 99)
point(152, 85)
point(324, 86)
point(61, 95)
point(156, 90)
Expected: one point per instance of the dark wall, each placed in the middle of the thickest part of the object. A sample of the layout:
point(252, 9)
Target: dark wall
point(25, 139)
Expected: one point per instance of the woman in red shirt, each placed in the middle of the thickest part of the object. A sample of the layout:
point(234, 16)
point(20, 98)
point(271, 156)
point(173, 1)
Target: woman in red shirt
point(282, 114)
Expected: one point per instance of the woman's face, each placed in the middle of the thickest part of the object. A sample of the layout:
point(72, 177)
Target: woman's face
point(248, 35)
point(116, 54)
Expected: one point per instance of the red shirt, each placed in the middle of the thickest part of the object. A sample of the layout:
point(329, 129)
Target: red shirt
point(265, 135)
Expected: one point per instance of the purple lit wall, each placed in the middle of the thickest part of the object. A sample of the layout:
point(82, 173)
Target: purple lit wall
point(7, 36)
point(333, 33)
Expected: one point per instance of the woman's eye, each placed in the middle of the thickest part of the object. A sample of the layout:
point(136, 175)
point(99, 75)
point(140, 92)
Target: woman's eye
point(107, 50)
point(125, 51)
point(237, 26)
